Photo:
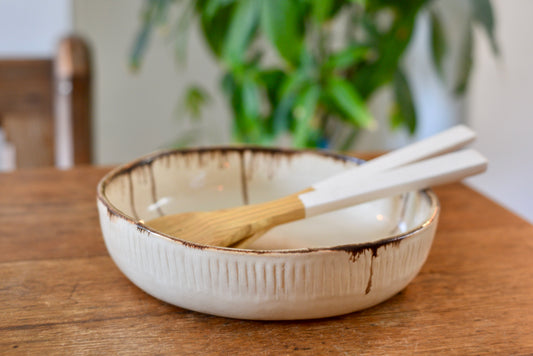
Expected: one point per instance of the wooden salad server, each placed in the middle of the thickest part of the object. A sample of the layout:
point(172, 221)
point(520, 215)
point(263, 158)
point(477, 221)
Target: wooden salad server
point(388, 175)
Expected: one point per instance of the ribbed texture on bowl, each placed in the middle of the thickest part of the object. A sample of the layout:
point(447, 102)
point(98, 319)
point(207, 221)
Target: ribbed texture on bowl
point(273, 285)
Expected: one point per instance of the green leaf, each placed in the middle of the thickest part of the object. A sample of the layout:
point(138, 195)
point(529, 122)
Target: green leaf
point(243, 23)
point(251, 101)
point(387, 48)
point(293, 83)
point(228, 84)
point(161, 11)
point(281, 116)
point(149, 18)
point(139, 46)
point(283, 25)
point(482, 13)
point(233, 92)
point(304, 111)
point(154, 13)
point(287, 93)
point(193, 101)
point(346, 57)
point(181, 31)
point(360, 2)
point(272, 80)
point(215, 28)
point(248, 112)
point(465, 63)
point(348, 102)
point(438, 42)
point(212, 6)
point(321, 9)
point(404, 112)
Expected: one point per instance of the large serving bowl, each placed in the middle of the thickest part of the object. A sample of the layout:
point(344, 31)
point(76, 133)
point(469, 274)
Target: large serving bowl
point(324, 266)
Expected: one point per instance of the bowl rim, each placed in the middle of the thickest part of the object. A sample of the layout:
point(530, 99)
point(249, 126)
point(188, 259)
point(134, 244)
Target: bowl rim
point(355, 248)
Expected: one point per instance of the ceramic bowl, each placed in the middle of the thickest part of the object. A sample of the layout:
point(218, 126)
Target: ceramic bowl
point(328, 265)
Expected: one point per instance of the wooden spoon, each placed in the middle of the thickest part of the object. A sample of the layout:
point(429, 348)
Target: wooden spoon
point(372, 181)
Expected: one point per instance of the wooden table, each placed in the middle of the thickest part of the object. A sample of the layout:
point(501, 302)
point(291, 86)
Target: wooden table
point(60, 293)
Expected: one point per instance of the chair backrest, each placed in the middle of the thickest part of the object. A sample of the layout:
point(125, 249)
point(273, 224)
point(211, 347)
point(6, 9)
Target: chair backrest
point(45, 106)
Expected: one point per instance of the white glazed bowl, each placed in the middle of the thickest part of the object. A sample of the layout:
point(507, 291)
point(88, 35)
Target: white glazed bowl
point(324, 266)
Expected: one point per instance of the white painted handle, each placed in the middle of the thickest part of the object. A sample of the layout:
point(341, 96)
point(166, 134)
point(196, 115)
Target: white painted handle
point(444, 142)
point(443, 169)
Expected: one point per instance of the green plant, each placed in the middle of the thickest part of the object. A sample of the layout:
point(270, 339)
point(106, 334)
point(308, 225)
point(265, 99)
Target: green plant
point(317, 86)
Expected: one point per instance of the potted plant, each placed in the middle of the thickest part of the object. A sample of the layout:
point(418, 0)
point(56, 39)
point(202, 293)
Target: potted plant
point(307, 68)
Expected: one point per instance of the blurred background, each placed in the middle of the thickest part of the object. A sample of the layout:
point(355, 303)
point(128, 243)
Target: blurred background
point(143, 98)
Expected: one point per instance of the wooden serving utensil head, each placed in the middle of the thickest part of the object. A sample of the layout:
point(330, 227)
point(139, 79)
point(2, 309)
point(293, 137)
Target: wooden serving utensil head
point(229, 226)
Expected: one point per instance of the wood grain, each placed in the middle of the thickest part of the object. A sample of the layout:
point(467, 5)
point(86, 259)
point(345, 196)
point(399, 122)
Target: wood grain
point(33, 138)
point(26, 110)
point(26, 86)
point(60, 293)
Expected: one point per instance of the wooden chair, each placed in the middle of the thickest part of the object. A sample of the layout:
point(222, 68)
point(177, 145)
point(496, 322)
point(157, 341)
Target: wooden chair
point(45, 107)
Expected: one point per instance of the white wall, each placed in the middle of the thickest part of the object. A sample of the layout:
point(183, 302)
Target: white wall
point(32, 28)
point(134, 114)
point(500, 108)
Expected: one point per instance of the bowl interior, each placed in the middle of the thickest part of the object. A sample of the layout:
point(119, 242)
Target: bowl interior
point(209, 179)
